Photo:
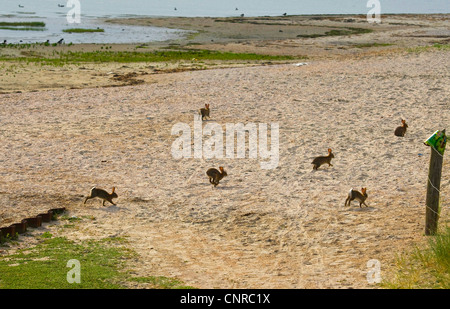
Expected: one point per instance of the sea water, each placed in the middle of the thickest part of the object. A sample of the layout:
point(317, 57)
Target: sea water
point(92, 12)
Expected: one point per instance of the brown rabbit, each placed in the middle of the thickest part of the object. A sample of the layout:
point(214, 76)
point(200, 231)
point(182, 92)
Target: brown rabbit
point(204, 112)
point(215, 176)
point(400, 131)
point(361, 197)
point(100, 193)
point(318, 161)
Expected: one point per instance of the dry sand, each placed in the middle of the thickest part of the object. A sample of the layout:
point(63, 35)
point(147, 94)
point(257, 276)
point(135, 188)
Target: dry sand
point(280, 228)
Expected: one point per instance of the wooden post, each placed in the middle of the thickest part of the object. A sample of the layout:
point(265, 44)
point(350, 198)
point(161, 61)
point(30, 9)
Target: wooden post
point(433, 191)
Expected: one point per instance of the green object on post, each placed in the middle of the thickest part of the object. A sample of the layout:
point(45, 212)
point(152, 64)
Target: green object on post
point(438, 141)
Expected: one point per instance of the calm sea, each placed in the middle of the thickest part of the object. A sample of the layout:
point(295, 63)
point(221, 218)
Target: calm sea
point(54, 13)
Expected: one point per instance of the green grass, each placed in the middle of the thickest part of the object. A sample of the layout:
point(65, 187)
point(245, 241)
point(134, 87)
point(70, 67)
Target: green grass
point(44, 266)
point(21, 28)
point(424, 268)
point(101, 266)
point(368, 45)
point(62, 58)
point(104, 264)
point(337, 32)
point(22, 24)
point(162, 282)
point(82, 30)
point(436, 46)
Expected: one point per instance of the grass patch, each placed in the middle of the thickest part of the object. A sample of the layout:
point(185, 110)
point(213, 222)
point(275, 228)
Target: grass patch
point(22, 24)
point(254, 21)
point(368, 45)
point(101, 266)
point(45, 266)
point(82, 30)
point(436, 46)
point(426, 268)
point(162, 282)
point(337, 32)
point(62, 58)
point(21, 28)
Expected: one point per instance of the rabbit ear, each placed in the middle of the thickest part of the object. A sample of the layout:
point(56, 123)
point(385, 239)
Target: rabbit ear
point(329, 149)
point(221, 168)
point(114, 188)
point(363, 190)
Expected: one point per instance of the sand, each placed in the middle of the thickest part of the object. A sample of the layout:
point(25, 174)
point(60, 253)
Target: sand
point(279, 228)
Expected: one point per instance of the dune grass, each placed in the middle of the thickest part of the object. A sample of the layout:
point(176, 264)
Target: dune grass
point(424, 268)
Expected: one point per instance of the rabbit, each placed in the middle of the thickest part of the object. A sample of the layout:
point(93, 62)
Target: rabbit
point(100, 193)
point(204, 112)
point(215, 176)
point(318, 161)
point(361, 197)
point(400, 131)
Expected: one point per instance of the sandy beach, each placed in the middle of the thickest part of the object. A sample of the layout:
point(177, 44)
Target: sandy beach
point(278, 228)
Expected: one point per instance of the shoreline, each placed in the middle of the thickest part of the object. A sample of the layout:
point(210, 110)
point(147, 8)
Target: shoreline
point(304, 37)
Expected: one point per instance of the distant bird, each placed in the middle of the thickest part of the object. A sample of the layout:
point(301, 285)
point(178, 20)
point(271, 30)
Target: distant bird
point(61, 41)
point(284, 14)
point(175, 9)
point(4, 42)
point(237, 9)
point(242, 15)
point(61, 5)
point(20, 5)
